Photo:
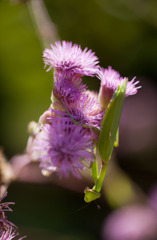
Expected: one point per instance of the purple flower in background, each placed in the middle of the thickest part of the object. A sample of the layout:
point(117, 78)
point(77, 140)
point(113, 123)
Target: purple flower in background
point(152, 200)
point(64, 147)
point(9, 235)
point(131, 223)
point(68, 57)
point(110, 79)
point(68, 87)
point(4, 207)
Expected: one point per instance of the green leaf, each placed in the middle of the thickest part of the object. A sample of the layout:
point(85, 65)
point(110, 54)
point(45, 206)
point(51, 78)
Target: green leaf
point(110, 123)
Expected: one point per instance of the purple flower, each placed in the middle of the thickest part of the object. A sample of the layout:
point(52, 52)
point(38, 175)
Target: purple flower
point(9, 235)
point(110, 79)
point(68, 87)
point(152, 200)
point(86, 111)
point(64, 147)
point(131, 223)
point(4, 207)
point(64, 56)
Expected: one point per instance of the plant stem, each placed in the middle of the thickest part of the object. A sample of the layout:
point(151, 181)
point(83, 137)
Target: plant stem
point(95, 169)
point(47, 30)
point(94, 193)
point(101, 177)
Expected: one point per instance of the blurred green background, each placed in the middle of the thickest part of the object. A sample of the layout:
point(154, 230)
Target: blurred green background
point(123, 34)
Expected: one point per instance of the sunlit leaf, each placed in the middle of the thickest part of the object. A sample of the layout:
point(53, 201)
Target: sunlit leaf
point(110, 123)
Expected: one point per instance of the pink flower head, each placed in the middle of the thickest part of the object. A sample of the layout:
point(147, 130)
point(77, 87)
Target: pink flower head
point(152, 200)
point(110, 80)
point(66, 57)
point(63, 146)
point(68, 87)
point(9, 235)
point(136, 222)
point(4, 207)
point(86, 111)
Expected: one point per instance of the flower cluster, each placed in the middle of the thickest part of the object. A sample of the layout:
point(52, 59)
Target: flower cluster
point(65, 142)
point(70, 128)
point(7, 228)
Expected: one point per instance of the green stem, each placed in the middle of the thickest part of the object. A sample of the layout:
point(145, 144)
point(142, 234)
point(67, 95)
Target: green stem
point(101, 177)
point(95, 169)
point(93, 194)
